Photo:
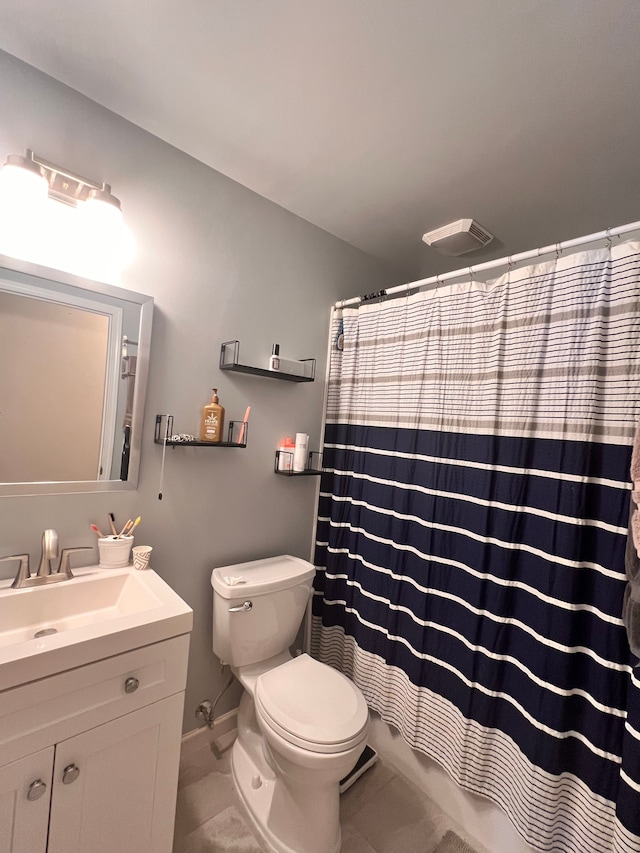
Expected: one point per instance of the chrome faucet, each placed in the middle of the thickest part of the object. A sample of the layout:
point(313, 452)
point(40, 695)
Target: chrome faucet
point(49, 552)
point(45, 574)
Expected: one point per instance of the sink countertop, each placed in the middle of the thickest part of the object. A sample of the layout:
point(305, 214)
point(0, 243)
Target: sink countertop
point(156, 613)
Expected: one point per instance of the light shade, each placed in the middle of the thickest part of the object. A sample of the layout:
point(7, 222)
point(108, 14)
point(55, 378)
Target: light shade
point(22, 183)
point(105, 197)
point(107, 244)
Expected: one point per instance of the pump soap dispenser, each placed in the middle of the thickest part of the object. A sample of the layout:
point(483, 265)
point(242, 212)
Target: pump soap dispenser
point(212, 421)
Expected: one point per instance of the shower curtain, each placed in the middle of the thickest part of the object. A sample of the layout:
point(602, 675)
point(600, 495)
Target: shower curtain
point(471, 536)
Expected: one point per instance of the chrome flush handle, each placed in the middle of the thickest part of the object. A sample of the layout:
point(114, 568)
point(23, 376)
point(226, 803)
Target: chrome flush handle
point(245, 607)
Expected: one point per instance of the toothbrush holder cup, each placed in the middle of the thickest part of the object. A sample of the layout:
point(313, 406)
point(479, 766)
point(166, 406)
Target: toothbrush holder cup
point(114, 553)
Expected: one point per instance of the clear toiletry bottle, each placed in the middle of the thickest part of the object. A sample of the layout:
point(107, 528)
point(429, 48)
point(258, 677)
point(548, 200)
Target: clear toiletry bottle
point(274, 359)
point(286, 449)
point(212, 421)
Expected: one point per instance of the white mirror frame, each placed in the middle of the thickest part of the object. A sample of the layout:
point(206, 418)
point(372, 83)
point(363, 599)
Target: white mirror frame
point(37, 280)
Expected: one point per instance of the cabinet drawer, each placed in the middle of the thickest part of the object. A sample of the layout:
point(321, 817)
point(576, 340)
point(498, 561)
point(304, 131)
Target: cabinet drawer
point(44, 712)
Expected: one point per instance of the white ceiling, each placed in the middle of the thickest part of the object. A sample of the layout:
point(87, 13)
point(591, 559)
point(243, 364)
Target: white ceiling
point(376, 120)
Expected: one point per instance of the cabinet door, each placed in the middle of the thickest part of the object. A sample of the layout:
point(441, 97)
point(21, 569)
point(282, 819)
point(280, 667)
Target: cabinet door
point(114, 787)
point(25, 793)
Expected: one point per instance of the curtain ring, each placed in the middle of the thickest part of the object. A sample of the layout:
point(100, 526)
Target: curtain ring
point(608, 238)
point(438, 282)
point(471, 274)
point(510, 266)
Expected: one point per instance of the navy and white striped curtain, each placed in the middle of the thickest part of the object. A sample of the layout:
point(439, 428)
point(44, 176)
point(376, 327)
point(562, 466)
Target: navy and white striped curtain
point(471, 536)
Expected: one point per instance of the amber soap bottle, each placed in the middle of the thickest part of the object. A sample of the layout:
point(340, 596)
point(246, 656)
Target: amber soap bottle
point(212, 420)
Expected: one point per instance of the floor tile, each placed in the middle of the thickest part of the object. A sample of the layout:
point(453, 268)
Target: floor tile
point(353, 841)
point(202, 799)
point(454, 843)
point(225, 833)
point(202, 762)
point(401, 818)
point(364, 789)
point(382, 812)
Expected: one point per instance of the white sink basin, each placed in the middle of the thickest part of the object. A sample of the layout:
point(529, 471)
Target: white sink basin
point(99, 613)
point(68, 605)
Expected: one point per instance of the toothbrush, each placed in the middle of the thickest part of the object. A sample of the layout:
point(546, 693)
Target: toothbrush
point(112, 523)
point(97, 531)
point(124, 529)
point(135, 524)
point(243, 428)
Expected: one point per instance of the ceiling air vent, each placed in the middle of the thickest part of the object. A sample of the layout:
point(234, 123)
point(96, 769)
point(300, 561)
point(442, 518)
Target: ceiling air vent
point(459, 237)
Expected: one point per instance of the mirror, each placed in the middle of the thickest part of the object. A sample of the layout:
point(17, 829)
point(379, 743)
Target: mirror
point(75, 357)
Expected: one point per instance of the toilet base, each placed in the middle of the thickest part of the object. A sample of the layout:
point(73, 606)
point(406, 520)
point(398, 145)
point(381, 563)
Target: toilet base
point(260, 801)
point(302, 820)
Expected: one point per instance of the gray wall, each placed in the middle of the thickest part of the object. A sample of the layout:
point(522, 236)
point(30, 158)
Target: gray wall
point(221, 263)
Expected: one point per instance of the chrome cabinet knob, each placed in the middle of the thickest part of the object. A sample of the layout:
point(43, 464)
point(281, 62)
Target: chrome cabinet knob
point(70, 774)
point(131, 685)
point(36, 790)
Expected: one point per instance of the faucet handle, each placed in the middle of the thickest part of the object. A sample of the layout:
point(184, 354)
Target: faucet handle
point(23, 569)
point(65, 568)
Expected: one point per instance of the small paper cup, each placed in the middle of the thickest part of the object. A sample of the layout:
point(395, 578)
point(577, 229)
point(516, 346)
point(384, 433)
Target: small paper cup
point(114, 553)
point(141, 555)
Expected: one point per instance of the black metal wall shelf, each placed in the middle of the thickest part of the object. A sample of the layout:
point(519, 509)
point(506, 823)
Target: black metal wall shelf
point(230, 360)
point(164, 435)
point(311, 470)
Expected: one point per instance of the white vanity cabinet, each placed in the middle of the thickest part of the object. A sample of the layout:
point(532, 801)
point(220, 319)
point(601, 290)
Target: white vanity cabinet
point(25, 794)
point(89, 756)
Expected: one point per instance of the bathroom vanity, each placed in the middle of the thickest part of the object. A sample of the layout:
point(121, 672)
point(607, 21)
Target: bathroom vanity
point(91, 713)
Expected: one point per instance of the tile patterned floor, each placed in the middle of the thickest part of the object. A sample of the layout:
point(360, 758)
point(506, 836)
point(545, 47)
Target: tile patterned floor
point(381, 812)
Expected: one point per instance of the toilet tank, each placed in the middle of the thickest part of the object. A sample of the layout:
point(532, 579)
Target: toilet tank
point(278, 589)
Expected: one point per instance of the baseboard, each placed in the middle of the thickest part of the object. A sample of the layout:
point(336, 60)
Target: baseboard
point(221, 735)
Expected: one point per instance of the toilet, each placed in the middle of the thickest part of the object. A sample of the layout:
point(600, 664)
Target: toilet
point(301, 724)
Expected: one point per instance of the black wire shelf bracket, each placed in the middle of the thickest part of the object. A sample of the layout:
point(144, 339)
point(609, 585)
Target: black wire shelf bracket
point(237, 434)
point(283, 464)
point(230, 360)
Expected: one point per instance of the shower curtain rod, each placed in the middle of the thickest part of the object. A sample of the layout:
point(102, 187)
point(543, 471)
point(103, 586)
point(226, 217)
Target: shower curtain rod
point(510, 260)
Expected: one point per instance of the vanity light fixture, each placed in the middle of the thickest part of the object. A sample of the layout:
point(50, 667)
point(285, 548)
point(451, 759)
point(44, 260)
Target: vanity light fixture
point(28, 185)
point(62, 184)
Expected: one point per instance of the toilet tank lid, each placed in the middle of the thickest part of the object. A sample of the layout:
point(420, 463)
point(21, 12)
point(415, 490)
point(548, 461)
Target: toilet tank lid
point(260, 576)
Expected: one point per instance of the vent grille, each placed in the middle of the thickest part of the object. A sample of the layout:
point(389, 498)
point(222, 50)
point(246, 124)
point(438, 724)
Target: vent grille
point(456, 238)
point(479, 233)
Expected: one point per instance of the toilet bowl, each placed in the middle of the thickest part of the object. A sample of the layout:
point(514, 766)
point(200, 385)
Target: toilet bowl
point(301, 724)
point(307, 741)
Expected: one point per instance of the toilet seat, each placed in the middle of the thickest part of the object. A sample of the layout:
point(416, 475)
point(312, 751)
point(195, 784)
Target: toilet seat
point(311, 705)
